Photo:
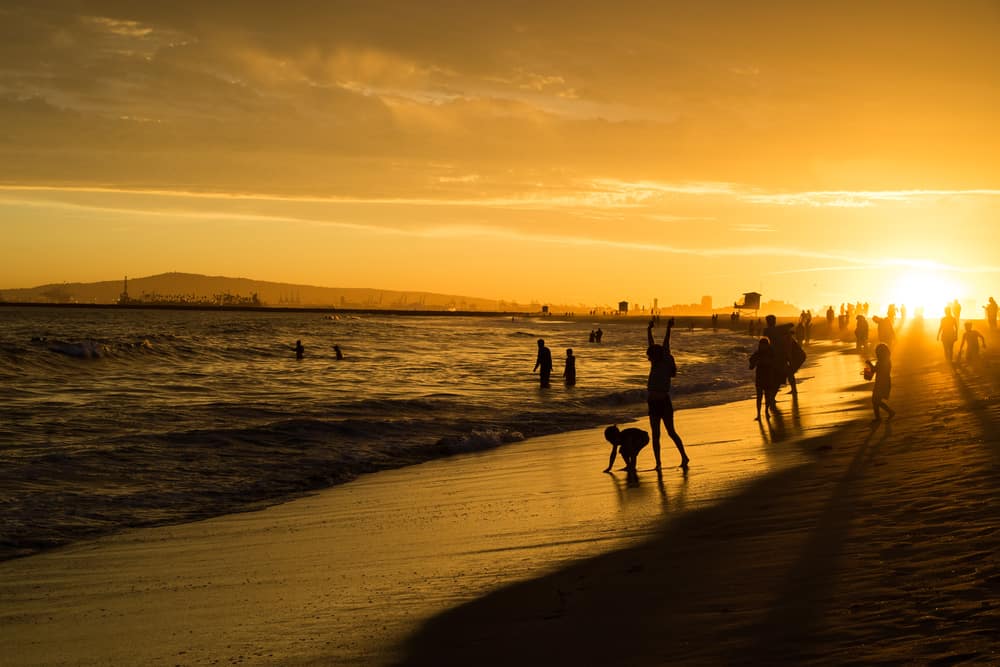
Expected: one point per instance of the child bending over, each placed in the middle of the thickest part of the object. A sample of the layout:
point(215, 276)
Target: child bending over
point(630, 442)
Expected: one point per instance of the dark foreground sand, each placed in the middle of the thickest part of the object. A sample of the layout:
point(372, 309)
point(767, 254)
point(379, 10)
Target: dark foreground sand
point(815, 539)
point(883, 550)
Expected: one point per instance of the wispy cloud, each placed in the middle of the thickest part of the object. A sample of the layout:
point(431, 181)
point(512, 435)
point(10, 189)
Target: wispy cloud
point(595, 194)
point(858, 198)
point(753, 228)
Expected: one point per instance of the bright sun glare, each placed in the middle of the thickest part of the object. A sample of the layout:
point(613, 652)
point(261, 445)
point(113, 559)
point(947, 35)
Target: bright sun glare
point(930, 289)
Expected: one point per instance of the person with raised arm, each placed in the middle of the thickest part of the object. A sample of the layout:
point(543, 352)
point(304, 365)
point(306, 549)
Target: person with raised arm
point(661, 368)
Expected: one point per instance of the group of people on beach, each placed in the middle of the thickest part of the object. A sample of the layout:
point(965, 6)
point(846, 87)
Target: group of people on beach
point(662, 367)
point(777, 358)
point(971, 340)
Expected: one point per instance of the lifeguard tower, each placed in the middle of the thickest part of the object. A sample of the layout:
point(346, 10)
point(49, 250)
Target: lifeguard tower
point(751, 301)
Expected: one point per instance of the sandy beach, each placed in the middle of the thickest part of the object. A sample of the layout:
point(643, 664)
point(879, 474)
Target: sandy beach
point(819, 538)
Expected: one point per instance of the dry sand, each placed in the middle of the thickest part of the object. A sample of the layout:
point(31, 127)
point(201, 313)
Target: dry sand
point(789, 543)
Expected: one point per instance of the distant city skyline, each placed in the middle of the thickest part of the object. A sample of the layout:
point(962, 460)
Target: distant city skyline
point(815, 153)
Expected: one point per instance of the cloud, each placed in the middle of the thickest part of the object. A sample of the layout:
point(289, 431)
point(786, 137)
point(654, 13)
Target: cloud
point(861, 198)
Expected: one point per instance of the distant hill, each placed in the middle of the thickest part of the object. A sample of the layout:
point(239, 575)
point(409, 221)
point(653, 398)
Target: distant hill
point(198, 289)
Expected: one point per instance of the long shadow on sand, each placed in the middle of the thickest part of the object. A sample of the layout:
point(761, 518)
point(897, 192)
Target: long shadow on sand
point(750, 580)
point(704, 589)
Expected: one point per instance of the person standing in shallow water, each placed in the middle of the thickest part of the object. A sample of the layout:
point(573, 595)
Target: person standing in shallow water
point(661, 369)
point(300, 350)
point(543, 364)
point(569, 372)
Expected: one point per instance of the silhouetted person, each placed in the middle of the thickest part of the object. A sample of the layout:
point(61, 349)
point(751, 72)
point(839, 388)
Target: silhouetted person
point(630, 442)
point(956, 310)
point(881, 372)
point(796, 357)
point(970, 342)
point(299, 349)
point(338, 352)
point(598, 335)
point(885, 330)
point(661, 368)
point(544, 363)
point(991, 314)
point(781, 342)
point(593, 336)
point(762, 361)
point(861, 334)
point(948, 334)
point(569, 372)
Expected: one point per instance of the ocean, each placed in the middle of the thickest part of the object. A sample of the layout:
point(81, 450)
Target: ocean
point(112, 418)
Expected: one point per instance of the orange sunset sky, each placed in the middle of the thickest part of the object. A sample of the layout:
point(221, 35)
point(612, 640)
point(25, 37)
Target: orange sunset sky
point(566, 152)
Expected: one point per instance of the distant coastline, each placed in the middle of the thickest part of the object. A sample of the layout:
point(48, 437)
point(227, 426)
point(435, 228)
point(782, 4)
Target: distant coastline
point(328, 310)
point(683, 321)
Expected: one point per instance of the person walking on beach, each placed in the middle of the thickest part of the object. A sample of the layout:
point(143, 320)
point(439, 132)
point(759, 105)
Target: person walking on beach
point(991, 314)
point(569, 372)
point(885, 329)
point(880, 371)
point(661, 368)
point(544, 363)
point(970, 342)
point(762, 361)
point(630, 442)
point(782, 344)
point(861, 334)
point(948, 334)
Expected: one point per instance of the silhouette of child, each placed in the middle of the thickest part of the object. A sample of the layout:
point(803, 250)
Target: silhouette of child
point(881, 372)
point(764, 378)
point(630, 441)
point(970, 342)
point(569, 373)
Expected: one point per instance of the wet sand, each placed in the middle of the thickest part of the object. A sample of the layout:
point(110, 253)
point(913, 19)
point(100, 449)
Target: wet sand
point(789, 542)
point(881, 550)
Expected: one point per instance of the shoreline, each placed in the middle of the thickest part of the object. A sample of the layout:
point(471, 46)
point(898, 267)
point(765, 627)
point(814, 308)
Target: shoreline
point(342, 575)
point(31, 533)
point(881, 550)
point(814, 539)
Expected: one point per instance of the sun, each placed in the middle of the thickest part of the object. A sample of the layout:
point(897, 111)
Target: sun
point(926, 289)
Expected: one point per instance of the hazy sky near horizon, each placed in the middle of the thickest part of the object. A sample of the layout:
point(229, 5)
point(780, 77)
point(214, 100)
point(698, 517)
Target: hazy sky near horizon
point(578, 152)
